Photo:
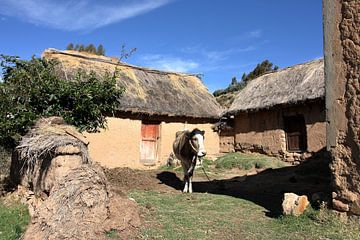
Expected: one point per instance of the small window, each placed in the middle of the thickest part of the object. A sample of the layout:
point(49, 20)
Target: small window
point(295, 130)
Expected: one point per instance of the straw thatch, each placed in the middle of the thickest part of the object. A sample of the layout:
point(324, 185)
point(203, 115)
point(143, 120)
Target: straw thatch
point(292, 85)
point(148, 91)
point(49, 139)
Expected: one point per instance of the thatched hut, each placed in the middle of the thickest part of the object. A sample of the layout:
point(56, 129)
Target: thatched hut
point(280, 113)
point(154, 106)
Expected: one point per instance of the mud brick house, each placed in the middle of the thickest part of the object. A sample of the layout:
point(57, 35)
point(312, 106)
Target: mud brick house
point(155, 105)
point(281, 113)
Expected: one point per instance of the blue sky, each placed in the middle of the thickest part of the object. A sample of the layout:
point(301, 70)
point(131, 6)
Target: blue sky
point(217, 38)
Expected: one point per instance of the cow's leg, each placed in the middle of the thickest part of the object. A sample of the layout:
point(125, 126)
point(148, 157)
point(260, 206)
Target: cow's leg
point(191, 173)
point(190, 185)
point(186, 180)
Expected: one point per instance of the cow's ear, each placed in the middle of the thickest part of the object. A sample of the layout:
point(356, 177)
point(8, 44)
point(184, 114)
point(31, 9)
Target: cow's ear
point(203, 133)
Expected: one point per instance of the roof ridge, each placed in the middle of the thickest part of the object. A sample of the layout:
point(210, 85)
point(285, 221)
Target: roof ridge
point(290, 67)
point(110, 60)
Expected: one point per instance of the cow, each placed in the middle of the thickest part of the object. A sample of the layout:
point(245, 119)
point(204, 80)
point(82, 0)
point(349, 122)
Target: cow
point(188, 147)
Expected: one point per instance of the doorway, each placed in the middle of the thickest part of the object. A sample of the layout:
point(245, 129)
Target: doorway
point(150, 135)
point(295, 130)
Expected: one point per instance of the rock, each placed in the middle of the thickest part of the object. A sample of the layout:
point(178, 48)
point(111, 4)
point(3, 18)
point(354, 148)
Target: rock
point(349, 196)
point(294, 204)
point(340, 206)
point(251, 173)
point(68, 150)
point(355, 207)
point(333, 194)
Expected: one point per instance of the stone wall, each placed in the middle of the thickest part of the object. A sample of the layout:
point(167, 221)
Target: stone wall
point(263, 131)
point(342, 68)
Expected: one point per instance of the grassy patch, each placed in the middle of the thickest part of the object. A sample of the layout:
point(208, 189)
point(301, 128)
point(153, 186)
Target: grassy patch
point(247, 161)
point(112, 234)
point(208, 216)
point(206, 163)
point(13, 220)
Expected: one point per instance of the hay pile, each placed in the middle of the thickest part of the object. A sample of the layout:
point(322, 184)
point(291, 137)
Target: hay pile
point(68, 196)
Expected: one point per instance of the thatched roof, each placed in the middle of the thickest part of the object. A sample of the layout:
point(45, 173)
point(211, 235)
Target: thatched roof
point(288, 86)
point(148, 91)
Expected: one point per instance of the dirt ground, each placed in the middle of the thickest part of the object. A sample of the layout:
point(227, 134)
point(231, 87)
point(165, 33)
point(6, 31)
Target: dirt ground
point(264, 187)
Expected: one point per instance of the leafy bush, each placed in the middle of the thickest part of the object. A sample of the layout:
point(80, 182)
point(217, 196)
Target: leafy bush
point(32, 89)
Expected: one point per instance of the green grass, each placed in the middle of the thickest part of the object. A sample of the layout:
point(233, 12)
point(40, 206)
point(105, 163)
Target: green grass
point(247, 161)
point(13, 220)
point(206, 163)
point(208, 216)
point(112, 234)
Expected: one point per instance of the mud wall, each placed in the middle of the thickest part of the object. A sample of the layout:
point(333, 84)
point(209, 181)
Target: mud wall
point(342, 68)
point(263, 131)
point(227, 142)
point(119, 144)
point(168, 131)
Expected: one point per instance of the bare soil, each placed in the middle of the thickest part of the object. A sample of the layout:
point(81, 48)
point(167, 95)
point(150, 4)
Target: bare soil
point(265, 187)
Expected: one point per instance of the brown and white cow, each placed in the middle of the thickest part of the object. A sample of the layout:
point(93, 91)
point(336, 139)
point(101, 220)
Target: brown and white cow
point(188, 147)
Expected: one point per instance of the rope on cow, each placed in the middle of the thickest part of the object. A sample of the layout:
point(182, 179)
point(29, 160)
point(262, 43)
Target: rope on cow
point(202, 166)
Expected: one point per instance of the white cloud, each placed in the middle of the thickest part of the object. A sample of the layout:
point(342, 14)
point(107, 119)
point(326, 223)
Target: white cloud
point(74, 15)
point(254, 34)
point(223, 55)
point(215, 56)
point(250, 35)
point(169, 63)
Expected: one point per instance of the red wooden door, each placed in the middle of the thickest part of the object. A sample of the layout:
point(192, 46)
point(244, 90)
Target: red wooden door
point(149, 142)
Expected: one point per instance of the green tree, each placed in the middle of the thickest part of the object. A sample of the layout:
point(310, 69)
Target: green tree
point(243, 76)
point(100, 50)
point(234, 81)
point(70, 46)
point(81, 48)
point(90, 48)
point(31, 89)
point(260, 69)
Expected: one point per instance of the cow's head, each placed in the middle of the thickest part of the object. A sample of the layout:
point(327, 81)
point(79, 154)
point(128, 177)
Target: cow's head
point(196, 139)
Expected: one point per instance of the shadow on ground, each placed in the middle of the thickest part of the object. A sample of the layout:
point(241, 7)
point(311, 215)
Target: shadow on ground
point(267, 187)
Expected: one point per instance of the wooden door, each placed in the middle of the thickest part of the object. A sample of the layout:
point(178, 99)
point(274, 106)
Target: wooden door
point(295, 130)
point(149, 143)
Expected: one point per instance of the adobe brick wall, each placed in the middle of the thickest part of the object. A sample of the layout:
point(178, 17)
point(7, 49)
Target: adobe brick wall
point(342, 68)
point(263, 131)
